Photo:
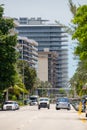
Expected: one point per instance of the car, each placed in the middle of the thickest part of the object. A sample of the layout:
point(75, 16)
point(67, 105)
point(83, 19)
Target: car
point(86, 112)
point(27, 102)
point(63, 103)
point(10, 105)
point(33, 100)
point(79, 106)
point(44, 102)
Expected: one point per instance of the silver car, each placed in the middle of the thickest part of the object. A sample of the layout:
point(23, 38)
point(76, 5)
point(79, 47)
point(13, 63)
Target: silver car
point(63, 103)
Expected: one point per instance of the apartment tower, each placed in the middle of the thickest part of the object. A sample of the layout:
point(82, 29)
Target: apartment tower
point(51, 36)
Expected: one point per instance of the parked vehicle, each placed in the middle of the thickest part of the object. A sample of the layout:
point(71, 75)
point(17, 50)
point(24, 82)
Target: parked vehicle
point(33, 99)
point(62, 103)
point(79, 105)
point(44, 102)
point(85, 103)
point(10, 105)
point(27, 101)
point(86, 112)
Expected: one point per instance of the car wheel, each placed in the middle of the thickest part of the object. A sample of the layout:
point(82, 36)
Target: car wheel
point(13, 109)
point(68, 109)
point(57, 108)
point(86, 115)
point(38, 107)
point(48, 107)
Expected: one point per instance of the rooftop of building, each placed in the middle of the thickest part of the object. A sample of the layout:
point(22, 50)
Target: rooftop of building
point(25, 21)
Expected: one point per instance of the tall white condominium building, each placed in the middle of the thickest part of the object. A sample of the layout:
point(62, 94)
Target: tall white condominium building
point(29, 51)
point(50, 36)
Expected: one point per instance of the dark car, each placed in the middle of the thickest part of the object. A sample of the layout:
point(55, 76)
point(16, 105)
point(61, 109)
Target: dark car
point(27, 101)
point(63, 103)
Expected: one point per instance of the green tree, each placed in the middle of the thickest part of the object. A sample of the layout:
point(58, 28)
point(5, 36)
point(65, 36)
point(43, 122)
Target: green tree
point(80, 33)
point(62, 91)
point(30, 78)
point(44, 88)
point(37, 83)
point(28, 75)
point(8, 54)
point(72, 7)
point(79, 79)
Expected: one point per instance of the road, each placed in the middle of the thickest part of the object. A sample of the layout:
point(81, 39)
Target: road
point(30, 118)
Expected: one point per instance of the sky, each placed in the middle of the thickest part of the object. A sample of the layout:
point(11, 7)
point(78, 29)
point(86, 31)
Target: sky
point(46, 9)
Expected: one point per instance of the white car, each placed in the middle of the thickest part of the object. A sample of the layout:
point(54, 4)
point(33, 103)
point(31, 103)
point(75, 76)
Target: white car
point(10, 105)
point(44, 102)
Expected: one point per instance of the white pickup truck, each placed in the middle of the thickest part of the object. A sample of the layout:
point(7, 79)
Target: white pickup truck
point(44, 102)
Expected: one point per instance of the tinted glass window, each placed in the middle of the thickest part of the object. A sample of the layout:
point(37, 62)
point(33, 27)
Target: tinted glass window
point(43, 99)
point(33, 98)
point(63, 100)
point(9, 103)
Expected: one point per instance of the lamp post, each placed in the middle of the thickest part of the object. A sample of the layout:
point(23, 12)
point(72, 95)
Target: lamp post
point(23, 69)
point(22, 58)
point(7, 95)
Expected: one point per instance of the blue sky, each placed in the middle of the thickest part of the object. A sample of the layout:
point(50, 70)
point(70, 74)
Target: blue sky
point(47, 9)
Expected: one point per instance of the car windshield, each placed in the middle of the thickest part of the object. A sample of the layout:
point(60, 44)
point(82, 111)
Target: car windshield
point(9, 103)
point(63, 100)
point(44, 99)
point(33, 99)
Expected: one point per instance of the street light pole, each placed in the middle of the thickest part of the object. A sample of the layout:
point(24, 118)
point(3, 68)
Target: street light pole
point(7, 95)
point(23, 69)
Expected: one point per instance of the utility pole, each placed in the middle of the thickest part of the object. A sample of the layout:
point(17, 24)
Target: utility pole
point(7, 95)
point(23, 68)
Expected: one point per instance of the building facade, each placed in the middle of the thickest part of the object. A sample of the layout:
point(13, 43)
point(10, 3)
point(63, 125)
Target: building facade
point(50, 36)
point(29, 52)
point(47, 67)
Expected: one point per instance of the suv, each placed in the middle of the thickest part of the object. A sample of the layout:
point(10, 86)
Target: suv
point(63, 103)
point(44, 102)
